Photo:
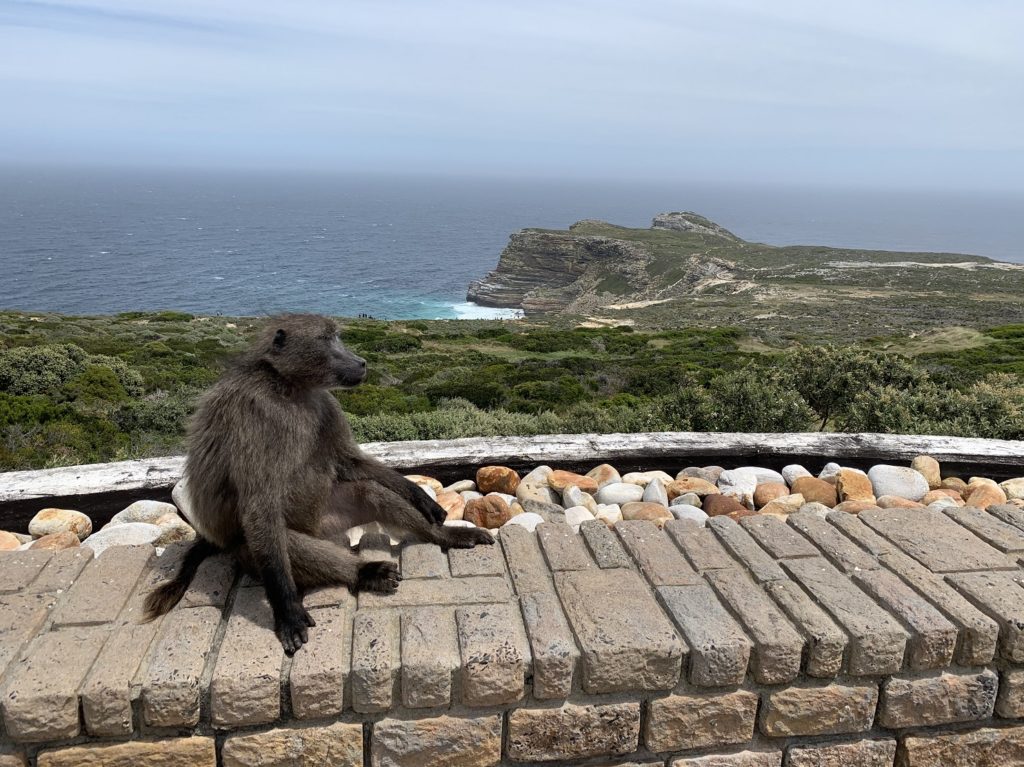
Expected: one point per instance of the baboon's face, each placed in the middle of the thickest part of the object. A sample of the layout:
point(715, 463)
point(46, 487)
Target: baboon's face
point(306, 349)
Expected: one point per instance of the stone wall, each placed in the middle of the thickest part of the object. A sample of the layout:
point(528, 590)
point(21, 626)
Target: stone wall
point(880, 639)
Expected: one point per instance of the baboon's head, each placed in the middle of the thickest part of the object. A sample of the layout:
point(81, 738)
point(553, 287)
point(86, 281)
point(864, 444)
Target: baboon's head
point(305, 350)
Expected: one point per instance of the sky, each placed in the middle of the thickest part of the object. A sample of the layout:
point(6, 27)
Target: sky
point(916, 93)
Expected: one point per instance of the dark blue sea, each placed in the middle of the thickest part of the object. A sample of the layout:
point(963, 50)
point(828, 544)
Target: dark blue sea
point(242, 243)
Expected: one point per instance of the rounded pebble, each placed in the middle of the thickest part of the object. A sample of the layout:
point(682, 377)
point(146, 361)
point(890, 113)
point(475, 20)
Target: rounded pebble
point(50, 521)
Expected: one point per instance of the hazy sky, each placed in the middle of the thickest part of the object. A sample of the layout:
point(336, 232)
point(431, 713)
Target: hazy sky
point(908, 93)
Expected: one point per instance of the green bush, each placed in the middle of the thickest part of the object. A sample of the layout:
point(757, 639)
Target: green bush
point(40, 369)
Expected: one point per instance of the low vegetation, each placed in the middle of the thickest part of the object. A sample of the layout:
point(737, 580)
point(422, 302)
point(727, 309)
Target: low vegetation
point(88, 389)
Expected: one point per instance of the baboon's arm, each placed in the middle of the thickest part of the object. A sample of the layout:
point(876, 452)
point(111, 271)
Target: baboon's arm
point(364, 467)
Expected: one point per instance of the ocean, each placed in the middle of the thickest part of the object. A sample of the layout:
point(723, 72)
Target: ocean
point(246, 243)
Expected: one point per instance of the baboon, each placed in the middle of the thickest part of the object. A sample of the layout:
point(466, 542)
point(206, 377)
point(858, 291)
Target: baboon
point(276, 477)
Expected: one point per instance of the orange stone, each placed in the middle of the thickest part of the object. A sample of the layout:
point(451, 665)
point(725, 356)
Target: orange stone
point(716, 505)
point(652, 512)
point(933, 495)
point(895, 502)
point(497, 479)
point(769, 491)
point(981, 496)
point(559, 480)
point(65, 539)
point(490, 511)
point(853, 486)
point(855, 507)
point(8, 541)
point(696, 485)
point(453, 503)
point(816, 490)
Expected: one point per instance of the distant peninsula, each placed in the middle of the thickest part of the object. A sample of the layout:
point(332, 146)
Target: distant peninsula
point(687, 267)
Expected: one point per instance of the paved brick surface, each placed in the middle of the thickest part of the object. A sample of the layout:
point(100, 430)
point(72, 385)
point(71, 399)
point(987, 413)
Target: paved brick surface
point(802, 641)
point(319, 673)
point(777, 645)
point(246, 684)
point(877, 641)
point(626, 641)
point(657, 556)
point(935, 540)
point(719, 648)
point(38, 703)
point(171, 685)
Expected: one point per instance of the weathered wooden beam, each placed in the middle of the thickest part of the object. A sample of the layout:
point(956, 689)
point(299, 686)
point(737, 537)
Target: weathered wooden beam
point(1004, 457)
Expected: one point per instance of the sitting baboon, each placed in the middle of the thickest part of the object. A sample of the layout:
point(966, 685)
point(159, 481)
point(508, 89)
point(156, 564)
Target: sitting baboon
point(276, 477)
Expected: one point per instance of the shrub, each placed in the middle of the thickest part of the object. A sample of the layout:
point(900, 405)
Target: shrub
point(39, 369)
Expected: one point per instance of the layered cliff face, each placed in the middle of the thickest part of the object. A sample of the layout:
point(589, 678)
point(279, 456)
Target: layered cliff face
point(687, 265)
point(545, 270)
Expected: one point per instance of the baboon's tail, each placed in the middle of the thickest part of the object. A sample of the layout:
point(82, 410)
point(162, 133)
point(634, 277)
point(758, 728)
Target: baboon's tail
point(162, 599)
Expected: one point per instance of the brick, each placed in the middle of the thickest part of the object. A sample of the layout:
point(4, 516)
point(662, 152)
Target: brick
point(863, 753)
point(684, 722)
point(1010, 702)
point(942, 698)
point(837, 548)
point(329, 596)
point(573, 732)
point(441, 742)
point(1000, 596)
point(563, 549)
point(740, 759)
point(212, 583)
point(658, 558)
point(40, 696)
point(339, 745)
point(1009, 514)
point(554, 651)
point(427, 593)
point(320, 669)
point(430, 656)
point(525, 561)
point(21, 568)
point(626, 641)
point(104, 587)
point(479, 560)
point(877, 641)
point(832, 709)
point(376, 662)
point(719, 650)
point(12, 757)
point(424, 560)
point(778, 538)
point(934, 540)
point(993, 531)
point(860, 533)
point(702, 548)
point(977, 633)
point(826, 642)
point(21, 616)
point(173, 752)
point(494, 654)
point(932, 637)
point(109, 687)
point(986, 747)
point(777, 645)
point(246, 684)
point(604, 546)
point(61, 570)
point(171, 683)
point(738, 541)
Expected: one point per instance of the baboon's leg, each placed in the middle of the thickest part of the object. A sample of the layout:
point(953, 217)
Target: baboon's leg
point(356, 503)
point(317, 562)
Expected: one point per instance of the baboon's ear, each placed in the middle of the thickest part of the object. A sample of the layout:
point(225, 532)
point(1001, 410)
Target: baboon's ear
point(279, 337)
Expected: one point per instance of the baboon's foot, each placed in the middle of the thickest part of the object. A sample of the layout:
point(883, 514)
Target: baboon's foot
point(465, 537)
point(378, 577)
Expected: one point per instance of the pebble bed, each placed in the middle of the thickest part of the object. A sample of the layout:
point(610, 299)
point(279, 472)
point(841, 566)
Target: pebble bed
point(499, 496)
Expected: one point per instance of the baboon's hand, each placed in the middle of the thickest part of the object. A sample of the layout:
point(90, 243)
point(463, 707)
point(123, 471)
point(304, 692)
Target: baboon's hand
point(378, 577)
point(291, 627)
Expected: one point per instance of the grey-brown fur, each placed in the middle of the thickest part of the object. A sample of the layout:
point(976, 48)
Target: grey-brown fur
point(276, 477)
